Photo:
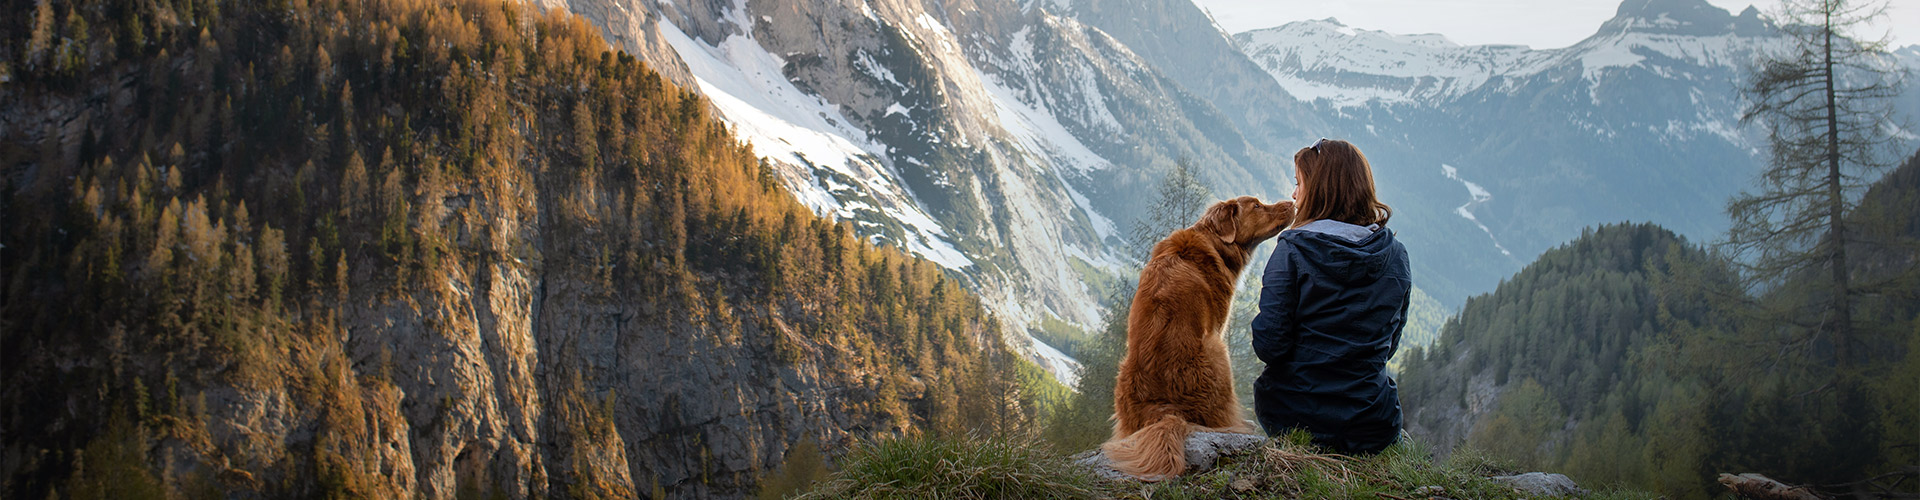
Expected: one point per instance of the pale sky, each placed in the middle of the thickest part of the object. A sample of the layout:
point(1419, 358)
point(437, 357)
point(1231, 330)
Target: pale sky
point(1536, 23)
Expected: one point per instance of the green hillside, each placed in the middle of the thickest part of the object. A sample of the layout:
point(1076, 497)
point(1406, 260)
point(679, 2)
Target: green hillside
point(1631, 356)
point(380, 249)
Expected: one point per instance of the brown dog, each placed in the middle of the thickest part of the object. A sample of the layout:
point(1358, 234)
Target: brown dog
point(1175, 378)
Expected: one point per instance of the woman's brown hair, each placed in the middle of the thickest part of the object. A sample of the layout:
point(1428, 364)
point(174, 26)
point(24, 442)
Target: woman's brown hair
point(1336, 183)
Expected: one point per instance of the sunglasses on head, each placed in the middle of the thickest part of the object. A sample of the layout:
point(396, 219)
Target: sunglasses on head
point(1316, 145)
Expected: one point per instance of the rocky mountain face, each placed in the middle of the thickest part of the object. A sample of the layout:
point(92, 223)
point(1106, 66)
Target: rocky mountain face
point(1010, 141)
point(1184, 43)
point(430, 250)
point(1640, 121)
point(1492, 153)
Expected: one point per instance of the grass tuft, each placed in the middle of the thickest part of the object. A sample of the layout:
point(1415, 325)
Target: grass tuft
point(957, 468)
point(1288, 467)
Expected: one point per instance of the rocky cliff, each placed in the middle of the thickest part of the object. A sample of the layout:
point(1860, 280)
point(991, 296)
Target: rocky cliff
point(387, 249)
point(1009, 141)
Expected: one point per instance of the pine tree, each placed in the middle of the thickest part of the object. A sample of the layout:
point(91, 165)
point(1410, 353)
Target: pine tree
point(1178, 202)
point(585, 145)
point(1824, 103)
point(353, 186)
point(41, 40)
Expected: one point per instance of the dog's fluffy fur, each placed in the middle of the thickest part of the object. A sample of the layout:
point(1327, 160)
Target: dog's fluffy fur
point(1175, 378)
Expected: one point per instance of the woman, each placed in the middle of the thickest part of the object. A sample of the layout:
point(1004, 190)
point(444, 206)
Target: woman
point(1332, 302)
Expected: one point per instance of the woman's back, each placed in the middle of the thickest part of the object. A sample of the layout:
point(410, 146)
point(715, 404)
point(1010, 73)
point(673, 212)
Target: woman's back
point(1332, 302)
point(1331, 311)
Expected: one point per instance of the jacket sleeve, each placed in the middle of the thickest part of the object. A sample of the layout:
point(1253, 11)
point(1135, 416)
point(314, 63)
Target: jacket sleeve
point(1404, 293)
point(1273, 326)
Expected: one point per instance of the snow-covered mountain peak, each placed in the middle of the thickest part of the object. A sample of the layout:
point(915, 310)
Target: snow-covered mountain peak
point(1680, 37)
point(1684, 17)
point(1332, 29)
point(1910, 53)
point(1323, 59)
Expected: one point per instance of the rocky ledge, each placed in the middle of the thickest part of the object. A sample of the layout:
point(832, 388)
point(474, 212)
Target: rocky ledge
point(1204, 449)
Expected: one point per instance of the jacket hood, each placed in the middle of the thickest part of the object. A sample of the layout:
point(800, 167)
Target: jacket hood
point(1347, 261)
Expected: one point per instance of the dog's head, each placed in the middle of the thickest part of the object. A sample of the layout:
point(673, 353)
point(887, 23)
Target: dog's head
point(1245, 220)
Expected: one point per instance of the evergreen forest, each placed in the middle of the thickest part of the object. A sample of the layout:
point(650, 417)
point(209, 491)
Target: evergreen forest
point(1633, 357)
point(380, 248)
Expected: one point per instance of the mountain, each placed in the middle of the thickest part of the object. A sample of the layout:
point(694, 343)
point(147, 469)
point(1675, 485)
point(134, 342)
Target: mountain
point(1631, 356)
point(1012, 141)
point(342, 249)
point(1640, 121)
point(1009, 141)
point(1183, 42)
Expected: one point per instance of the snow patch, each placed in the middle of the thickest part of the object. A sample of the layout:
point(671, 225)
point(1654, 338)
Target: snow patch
point(1476, 195)
point(866, 63)
point(748, 85)
point(1038, 130)
point(1731, 51)
point(805, 135)
point(1101, 224)
point(1894, 130)
point(1064, 368)
point(1094, 110)
point(1020, 48)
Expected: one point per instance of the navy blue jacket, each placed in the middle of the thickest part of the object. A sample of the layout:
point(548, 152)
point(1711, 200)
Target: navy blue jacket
point(1330, 315)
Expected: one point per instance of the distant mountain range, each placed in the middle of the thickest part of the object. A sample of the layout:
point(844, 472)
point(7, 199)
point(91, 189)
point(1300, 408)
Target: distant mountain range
point(1639, 122)
point(1014, 140)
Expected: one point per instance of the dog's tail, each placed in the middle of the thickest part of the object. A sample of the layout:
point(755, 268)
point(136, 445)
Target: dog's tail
point(1153, 453)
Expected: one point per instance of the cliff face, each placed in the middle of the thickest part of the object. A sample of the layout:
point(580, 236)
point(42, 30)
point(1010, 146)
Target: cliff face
point(1010, 141)
point(386, 250)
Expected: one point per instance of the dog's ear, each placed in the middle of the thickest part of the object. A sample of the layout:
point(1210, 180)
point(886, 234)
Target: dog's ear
point(1221, 218)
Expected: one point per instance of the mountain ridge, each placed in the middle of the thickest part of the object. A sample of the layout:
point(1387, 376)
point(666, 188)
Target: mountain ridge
point(1018, 134)
point(1542, 142)
point(1631, 355)
point(1298, 48)
point(1043, 120)
point(477, 253)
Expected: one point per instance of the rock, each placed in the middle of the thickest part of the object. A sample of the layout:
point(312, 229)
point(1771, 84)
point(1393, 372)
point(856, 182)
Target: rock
point(1760, 487)
point(1204, 450)
point(1097, 462)
point(1542, 484)
point(1430, 491)
point(1242, 485)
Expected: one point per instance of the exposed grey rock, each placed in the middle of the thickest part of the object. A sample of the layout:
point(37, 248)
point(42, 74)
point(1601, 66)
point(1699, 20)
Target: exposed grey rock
point(1542, 484)
point(1204, 450)
point(934, 86)
point(1446, 426)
